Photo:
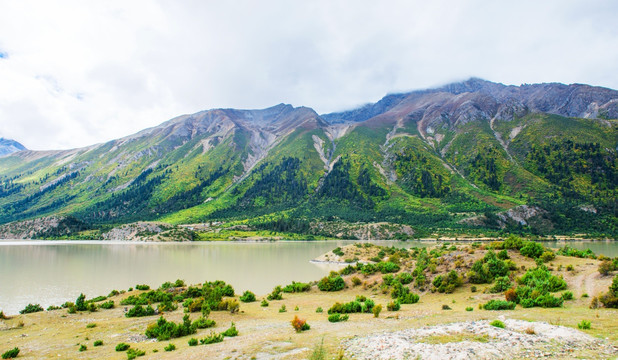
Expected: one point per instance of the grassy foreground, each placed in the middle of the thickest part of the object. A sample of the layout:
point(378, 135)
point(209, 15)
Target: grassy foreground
point(265, 331)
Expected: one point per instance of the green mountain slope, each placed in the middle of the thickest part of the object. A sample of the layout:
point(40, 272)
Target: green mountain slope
point(459, 158)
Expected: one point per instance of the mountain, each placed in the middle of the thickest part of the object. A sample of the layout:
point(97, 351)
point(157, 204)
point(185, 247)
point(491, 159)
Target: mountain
point(466, 157)
point(8, 146)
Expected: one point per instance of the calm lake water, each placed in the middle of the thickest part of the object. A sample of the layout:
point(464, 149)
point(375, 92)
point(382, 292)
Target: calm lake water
point(52, 272)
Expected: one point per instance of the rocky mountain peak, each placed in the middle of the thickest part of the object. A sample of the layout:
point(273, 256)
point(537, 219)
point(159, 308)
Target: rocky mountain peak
point(8, 146)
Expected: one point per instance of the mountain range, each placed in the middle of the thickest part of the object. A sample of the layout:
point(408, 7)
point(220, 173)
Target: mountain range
point(8, 146)
point(473, 156)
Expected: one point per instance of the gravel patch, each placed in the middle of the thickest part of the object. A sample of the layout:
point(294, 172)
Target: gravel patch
point(478, 340)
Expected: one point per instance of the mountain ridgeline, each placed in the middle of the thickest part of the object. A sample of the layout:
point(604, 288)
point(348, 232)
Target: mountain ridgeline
point(470, 156)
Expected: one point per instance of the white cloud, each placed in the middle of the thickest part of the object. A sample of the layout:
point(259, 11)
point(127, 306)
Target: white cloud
point(77, 72)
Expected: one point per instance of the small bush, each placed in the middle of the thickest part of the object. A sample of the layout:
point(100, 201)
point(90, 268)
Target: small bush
point(133, 353)
point(503, 283)
point(473, 288)
point(605, 267)
point(503, 255)
point(499, 305)
point(569, 267)
point(122, 347)
point(547, 256)
point(247, 297)
point(567, 295)
point(283, 309)
point(31, 308)
point(356, 281)
point(193, 342)
point(376, 310)
point(170, 347)
point(319, 310)
point(299, 324)
point(91, 325)
point(337, 251)
point(530, 331)
point(83, 347)
point(469, 308)
point(296, 287)
point(497, 323)
point(337, 317)
point(2, 316)
point(107, 305)
point(231, 331)
point(264, 303)
point(448, 283)
point(331, 283)
point(584, 325)
point(393, 306)
point(98, 343)
point(532, 250)
point(275, 294)
point(164, 330)
point(510, 295)
point(139, 311)
point(584, 295)
point(142, 287)
point(11, 353)
point(212, 338)
point(204, 323)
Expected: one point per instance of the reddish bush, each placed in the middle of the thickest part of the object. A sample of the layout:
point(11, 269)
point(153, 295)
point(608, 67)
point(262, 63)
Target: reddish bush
point(510, 295)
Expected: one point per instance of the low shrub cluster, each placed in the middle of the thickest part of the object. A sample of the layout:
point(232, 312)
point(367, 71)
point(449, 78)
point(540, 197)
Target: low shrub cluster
point(536, 287)
point(503, 283)
point(499, 305)
point(484, 271)
point(448, 283)
point(140, 311)
point(134, 353)
point(142, 287)
point(296, 287)
point(247, 297)
point(360, 305)
point(610, 299)
point(337, 317)
point(275, 294)
point(403, 294)
point(566, 250)
point(165, 330)
point(31, 308)
point(212, 338)
point(333, 282)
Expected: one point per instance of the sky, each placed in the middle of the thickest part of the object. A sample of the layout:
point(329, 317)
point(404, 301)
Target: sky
point(76, 73)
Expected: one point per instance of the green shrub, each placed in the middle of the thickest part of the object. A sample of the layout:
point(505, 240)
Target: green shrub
point(247, 297)
point(347, 270)
point(360, 305)
point(569, 251)
point(469, 308)
point(610, 299)
point(98, 299)
point(376, 310)
point(296, 287)
point(91, 325)
point(497, 323)
point(139, 311)
point(204, 323)
point(193, 342)
point(393, 306)
point(319, 310)
point(10, 354)
point(388, 279)
point(283, 309)
point(584, 325)
point(107, 305)
point(337, 251)
point(503, 255)
point(386, 267)
point(113, 293)
point(446, 307)
point(142, 287)
point(473, 288)
point(331, 283)
point(133, 353)
point(122, 347)
point(80, 303)
point(485, 270)
point(231, 331)
point(503, 283)
point(31, 308)
point(447, 284)
point(337, 317)
point(212, 338)
point(567, 295)
point(98, 343)
point(275, 294)
point(170, 347)
point(605, 267)
point(83, 347)
point(356, 281)
point(169, 306)
point(499, 305)
point(513, 242)
point(404, 278)
point(165, 330)
point(547, 256)
point(532, 249)
point(264, 303)
point(403, 294)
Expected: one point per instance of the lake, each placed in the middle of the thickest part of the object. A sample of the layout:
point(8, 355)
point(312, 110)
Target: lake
point(52, 272)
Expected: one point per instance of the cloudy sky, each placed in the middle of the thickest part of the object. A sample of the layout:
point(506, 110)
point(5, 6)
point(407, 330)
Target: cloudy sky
point(74, 73)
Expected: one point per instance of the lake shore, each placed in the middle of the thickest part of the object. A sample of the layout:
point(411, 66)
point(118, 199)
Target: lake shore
point(421, 328)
